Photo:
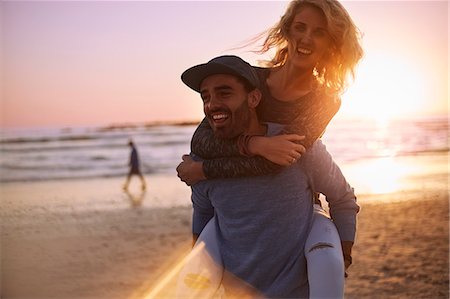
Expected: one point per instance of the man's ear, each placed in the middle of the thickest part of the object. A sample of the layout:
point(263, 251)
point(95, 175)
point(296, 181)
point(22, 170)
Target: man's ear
point(254, 97)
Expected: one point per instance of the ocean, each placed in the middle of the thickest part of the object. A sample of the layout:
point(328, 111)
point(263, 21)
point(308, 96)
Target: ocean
point(96, 152)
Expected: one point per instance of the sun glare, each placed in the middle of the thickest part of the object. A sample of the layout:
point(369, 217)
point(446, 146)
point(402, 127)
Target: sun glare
point(379, 176)
point(386, 87)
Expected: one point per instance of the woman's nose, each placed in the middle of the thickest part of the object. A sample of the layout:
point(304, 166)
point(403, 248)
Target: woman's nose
point(307, 37)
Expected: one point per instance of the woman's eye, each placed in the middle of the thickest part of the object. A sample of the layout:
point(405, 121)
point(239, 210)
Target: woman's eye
point(300, 27)
point(320, 33)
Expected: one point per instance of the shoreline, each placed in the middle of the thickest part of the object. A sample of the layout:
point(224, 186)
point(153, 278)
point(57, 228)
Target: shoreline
point(370, 177)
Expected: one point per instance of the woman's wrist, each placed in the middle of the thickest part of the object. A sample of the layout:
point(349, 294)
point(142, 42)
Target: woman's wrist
point(255, 143)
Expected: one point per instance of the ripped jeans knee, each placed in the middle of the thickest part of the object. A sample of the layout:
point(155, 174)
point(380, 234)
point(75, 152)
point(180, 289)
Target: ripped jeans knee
point(325, 262)
point(321, 245)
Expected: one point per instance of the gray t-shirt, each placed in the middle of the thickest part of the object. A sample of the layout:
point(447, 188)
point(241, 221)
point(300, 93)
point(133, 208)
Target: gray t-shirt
point(262, 222)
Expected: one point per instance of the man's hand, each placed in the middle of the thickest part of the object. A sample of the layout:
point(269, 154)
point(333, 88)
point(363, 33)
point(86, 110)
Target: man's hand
point(347, 251)
point(190, 171)
point(281, 149)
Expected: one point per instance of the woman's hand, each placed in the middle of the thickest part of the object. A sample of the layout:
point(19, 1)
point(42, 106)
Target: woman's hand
point(190, 171)
point(281, 149)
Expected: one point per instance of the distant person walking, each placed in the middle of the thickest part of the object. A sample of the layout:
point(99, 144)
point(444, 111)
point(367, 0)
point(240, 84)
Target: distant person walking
point(134, 167)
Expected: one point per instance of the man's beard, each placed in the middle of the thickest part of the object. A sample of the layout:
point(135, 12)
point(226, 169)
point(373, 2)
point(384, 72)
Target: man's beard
point(240, 122)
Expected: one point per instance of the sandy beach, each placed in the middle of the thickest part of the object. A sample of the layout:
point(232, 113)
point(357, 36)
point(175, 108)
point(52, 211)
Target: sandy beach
point(89, 239)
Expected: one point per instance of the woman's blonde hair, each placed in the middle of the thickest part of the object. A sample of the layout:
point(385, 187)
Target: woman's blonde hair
point(339, 61)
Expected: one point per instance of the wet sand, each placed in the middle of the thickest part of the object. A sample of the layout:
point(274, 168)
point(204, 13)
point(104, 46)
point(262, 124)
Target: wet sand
point(87, 239)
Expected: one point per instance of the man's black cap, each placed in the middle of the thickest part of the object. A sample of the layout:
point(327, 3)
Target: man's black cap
point(227, 64)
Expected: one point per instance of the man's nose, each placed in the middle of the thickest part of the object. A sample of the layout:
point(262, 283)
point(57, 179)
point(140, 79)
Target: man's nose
point(213, 103)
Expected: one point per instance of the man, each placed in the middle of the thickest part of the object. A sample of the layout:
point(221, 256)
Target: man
point(260, 223)
point(134, 167)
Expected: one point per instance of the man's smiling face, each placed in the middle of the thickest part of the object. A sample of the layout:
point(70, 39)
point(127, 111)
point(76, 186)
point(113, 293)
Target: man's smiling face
point(225, 103)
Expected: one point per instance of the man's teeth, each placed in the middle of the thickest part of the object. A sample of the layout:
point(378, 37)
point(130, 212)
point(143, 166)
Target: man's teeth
point(219, 116)
point(304, 51)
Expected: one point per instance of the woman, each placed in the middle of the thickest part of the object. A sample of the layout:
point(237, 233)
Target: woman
point(317, 48)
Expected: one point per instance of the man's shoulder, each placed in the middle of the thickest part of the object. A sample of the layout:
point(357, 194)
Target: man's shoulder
point(315, 155)
point(273, 128)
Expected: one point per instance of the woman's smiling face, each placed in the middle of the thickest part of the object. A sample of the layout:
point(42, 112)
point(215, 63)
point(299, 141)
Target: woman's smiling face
point(308, 37)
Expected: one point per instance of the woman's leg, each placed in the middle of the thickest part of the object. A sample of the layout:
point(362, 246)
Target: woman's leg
point(201, 276)
point(324, 258)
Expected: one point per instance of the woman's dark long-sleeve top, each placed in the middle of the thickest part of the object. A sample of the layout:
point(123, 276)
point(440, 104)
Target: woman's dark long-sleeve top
point(308, 115)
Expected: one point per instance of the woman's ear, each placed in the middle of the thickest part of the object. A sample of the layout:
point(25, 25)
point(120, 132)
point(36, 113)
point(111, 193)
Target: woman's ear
point(254, 97)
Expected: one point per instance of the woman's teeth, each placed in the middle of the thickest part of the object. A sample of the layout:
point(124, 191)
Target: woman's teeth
point(304, 51)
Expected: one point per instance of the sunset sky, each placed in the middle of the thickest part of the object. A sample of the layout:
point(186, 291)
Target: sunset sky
point(104, 62)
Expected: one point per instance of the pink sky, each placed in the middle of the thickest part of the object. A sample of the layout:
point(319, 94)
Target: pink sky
point(101, 62)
